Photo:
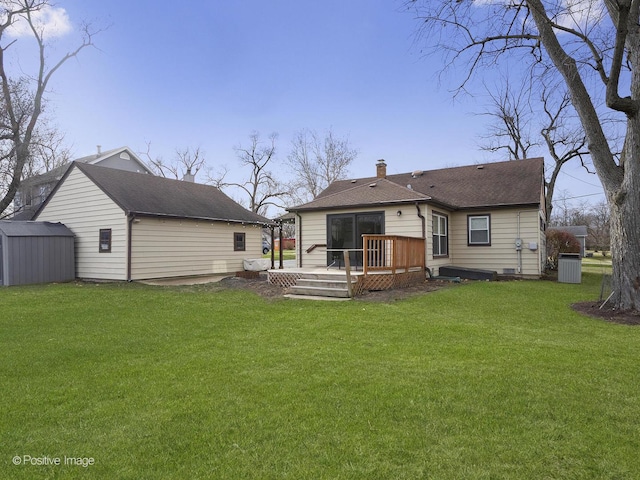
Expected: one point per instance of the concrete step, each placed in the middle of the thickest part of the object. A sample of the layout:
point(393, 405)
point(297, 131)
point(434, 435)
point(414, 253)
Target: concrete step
point(316, 297)
point(321, 285)
point(341, 276)
point(329, 283)
point(319, 291)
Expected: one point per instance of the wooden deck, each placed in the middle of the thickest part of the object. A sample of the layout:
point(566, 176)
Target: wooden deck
point(389, 262)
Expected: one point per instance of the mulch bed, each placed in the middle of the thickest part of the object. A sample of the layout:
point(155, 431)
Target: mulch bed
point(607, 313)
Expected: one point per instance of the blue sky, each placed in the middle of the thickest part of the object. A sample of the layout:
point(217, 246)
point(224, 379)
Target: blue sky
point(208, 73)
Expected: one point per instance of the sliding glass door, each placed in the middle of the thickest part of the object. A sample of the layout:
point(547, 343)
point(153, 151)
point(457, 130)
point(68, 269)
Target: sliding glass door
point(344, 232)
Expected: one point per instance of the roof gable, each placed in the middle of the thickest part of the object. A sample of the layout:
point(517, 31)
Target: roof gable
point(129, 155)
point(378, 191)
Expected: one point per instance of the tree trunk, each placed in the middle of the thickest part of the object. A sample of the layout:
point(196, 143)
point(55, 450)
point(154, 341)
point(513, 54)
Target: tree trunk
point(621, 183)
point(624, 206)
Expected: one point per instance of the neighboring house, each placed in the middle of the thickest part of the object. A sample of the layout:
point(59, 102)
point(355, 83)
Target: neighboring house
point(133, 226)
point(34, 190)
point(488, 216)
point(579, 231)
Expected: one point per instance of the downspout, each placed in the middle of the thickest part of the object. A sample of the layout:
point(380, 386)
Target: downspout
point(424, 236)
point(519, 249)
point(424, 222)
point(280, 250)
point(299, 240)
point(131, 218)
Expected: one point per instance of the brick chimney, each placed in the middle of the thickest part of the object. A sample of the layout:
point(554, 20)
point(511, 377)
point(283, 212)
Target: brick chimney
point(381, 169)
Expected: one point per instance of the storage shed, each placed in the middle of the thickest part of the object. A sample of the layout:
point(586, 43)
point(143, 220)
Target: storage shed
point(35, 252)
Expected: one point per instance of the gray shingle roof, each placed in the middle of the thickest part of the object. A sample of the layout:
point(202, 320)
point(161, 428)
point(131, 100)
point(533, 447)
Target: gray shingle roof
point(142, 194)
point(13, 228)
point(475, 186)
point(377, 191)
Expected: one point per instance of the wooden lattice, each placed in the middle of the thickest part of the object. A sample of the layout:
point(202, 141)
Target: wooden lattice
point(284, 279)
point(389, 281)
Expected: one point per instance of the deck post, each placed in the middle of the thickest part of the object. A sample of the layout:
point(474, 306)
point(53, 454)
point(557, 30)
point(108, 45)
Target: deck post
point(347, 268)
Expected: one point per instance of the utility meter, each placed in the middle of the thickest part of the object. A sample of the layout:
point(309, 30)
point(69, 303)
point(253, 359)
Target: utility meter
point(518, 244)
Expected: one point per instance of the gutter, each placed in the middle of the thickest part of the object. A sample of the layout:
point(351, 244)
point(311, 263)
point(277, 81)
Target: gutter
point(299, 239)
point(424, 234)
point(131, 217)
point(424, 220)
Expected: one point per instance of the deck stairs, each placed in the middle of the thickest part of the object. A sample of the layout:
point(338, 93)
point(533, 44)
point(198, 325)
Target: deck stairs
point(321, 286)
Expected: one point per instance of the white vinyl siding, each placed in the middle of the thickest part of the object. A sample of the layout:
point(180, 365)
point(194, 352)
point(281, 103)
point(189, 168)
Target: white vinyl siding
point(314, 229)
point(172, 248)
point(85, 209)
point(501, 255)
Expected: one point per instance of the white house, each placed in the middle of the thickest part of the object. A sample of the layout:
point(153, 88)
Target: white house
point(34, 190)
point(486, 216)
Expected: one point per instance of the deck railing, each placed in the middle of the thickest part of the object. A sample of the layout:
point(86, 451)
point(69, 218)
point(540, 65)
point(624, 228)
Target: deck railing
point(391, 253)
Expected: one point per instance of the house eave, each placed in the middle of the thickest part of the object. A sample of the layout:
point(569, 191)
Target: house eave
point(202, 218)
point(360, 205)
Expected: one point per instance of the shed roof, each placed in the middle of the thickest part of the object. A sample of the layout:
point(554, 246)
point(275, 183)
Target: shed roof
point(575, 230)
point(474, 186)
point(142, 194)
point(13, 228)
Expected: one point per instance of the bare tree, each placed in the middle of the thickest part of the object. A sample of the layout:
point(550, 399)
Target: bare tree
point(317, 162)
point(48, 150)
point(511, 119)
point(22, 95)
point(262, 188)
point(564, 142)
point(594, 48)
point(186, 164)
point(515, 115)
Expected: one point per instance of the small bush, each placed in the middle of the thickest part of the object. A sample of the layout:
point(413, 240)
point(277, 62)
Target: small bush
point(559, 242)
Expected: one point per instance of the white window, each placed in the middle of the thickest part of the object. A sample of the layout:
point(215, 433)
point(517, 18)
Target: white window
point(479, 229)
point(440, 237)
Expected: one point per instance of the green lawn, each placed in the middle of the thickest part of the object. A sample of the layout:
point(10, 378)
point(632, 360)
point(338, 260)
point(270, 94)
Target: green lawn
point(597, 264)
point(485, 380)
point(286, 255)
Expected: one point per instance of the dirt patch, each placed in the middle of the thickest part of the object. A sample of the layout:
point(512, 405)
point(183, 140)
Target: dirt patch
point(608, 313)
point(258, 285)
point(263, 288)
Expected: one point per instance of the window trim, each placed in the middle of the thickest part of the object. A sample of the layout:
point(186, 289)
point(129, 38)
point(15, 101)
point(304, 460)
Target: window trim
point(109, 241)
point(239, 246)
point(488, 230)
point(433, 234)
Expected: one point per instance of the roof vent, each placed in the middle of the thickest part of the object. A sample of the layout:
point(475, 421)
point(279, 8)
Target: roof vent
point(354, 181)
point(480, 167)
point(417, 173)
point(373, 184)
point(409, 186)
